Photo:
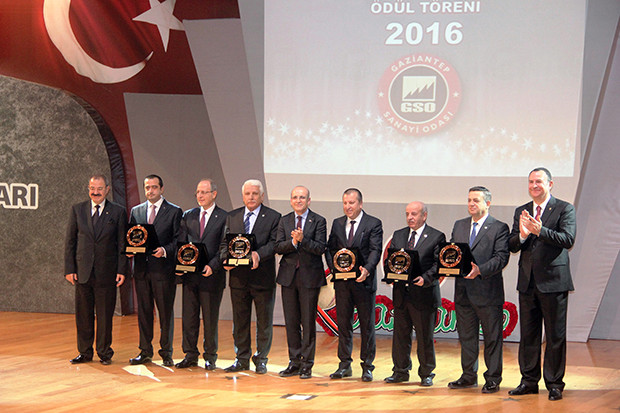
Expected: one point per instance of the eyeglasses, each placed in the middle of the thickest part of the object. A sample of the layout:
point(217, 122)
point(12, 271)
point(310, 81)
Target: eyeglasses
point(203, 192)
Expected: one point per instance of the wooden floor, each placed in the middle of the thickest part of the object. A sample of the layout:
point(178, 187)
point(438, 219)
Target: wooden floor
point(36, 376)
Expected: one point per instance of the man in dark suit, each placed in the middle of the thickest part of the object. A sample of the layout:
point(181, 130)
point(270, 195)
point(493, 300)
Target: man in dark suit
point(543, 230)
point(415, 304)
point(356, 229)
point(301, 240)
point(479, 296)
point(256, 283)
point(154, 272)
point(94, 258)
point(203, 290)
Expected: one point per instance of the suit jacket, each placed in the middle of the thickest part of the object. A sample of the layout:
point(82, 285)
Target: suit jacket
point(428, 296)
point(101, 248)
point(368, 240)
point(309, 253)
point(167, 224)
point(490, 251)
point(211, 238)
point(265, 230)
point(546, 256)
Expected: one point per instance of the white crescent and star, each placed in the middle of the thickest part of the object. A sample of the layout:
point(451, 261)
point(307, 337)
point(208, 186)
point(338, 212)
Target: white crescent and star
point(56, 18)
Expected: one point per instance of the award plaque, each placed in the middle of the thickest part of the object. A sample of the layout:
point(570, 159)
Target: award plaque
point(190, 257)
point(346, 264)
point(401, 265)
point(141, 238)
point(239, 250)
point(454, 259)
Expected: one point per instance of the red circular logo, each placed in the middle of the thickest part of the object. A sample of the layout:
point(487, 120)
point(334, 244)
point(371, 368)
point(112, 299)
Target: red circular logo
point(419, 94)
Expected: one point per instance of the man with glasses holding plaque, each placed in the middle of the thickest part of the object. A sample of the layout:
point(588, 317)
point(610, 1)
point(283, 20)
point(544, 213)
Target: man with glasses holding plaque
point(256, 283)
point(543, 231)
point(96, 265)
point(479, 295)
point(416, 303)
point(364, 233)
point(154, 271)
point(203, 290)
point(302, 237)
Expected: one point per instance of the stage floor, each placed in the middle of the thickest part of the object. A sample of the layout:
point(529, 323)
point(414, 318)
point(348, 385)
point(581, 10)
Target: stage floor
point(36, 376)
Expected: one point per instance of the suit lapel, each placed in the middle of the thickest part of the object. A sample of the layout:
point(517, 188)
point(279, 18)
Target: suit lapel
point(546, 216)
point(89, 217)
point(483, 230)
point(215, 216)
point(422, 238)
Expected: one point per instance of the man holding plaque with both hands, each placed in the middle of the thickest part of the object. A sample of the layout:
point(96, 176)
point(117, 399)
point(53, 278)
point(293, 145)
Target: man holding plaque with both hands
point(154, 271)
point(254, 279)
point(358, 232)
point(479, 295)
point(203, 289)
point(416, 302)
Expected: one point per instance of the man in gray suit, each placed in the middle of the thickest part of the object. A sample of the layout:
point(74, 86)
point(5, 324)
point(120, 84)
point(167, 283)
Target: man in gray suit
point(203, 289)
point(154, 272)
point(543, 231)
point(302, 236)
point(479, 296)
point(416, 303)
point(96, 265)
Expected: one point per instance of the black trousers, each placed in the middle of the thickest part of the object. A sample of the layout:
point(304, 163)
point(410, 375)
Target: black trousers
point(469, 318)
point(158, 293)
point(242, 299)
point(406, 318)
point(299, 304)
point(536, 309)
point(91, 299)
point(351, 295)
point(209, 302)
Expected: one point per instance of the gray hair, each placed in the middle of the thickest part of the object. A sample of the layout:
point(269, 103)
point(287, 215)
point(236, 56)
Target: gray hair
point(253, 182)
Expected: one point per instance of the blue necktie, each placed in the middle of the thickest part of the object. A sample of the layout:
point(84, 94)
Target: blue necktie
point(472, 236)
point(246, 223)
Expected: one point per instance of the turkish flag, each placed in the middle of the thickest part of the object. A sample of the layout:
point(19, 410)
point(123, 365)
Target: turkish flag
point(97, 50)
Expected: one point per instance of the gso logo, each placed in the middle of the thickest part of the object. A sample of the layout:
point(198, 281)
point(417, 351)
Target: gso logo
point(15, 196)
point(419, 94)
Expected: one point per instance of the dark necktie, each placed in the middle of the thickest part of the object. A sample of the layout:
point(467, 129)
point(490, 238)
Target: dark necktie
point(351, 233)
point(298, 223)
point(538, 212)
point(95, 216)
point(202, 223)
point(246, 223)
point(411, 242)
point(472, 236)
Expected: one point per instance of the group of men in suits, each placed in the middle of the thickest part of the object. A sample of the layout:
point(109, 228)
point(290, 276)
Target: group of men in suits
point(543, 231)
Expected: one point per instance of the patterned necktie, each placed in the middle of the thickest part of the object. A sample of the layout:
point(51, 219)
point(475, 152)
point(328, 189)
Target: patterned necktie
point(472, 236)
point(298, 223)
point(246, 223)
point(411, 242)
point(538, 212)
point(351, 233)
point(152, 216)
point(202, 223)
point(95, 216)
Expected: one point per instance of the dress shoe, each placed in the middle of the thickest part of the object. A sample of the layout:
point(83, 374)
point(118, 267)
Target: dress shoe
point(291, 370)
point(490, 387)
point(105, 361)
point(261, 368)
point(426, 381)
point(209, 365)
point(305, 373)
point(185, 363)
point(462, 384)
point(140, 359)
point(555, 394)
point(397, 378)
point(81, 358)
point(237, 366)
point(341, 372)
point(366, 375)
point(167, 361)
point(522, 389)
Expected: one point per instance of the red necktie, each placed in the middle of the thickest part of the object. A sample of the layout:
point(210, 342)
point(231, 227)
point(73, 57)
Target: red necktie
point(538, 210)
point(298, 222)
point(411, 242)
point(202, 223)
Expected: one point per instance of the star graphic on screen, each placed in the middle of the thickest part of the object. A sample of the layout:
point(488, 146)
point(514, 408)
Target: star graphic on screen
point(160, 14)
